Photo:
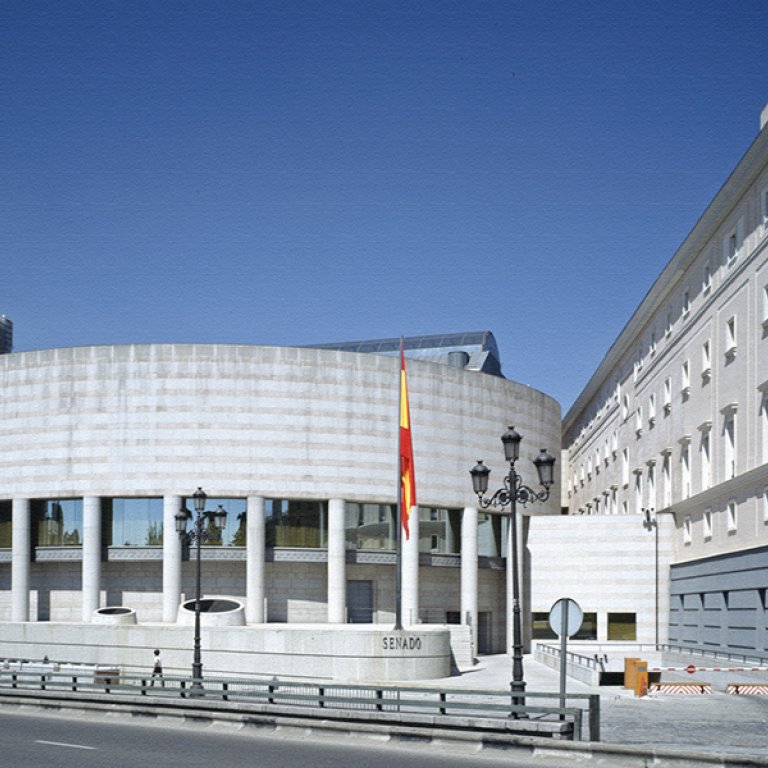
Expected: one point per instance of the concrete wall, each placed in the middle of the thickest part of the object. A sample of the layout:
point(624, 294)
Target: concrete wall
point(605, 563)
point(350, 652)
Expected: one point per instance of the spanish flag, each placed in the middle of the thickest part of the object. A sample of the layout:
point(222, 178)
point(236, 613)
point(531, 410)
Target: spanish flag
point(407, 475)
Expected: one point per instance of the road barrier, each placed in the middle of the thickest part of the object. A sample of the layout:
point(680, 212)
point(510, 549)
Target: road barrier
point(540, 713)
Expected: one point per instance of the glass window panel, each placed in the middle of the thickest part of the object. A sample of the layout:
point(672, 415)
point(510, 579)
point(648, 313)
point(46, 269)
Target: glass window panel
point(541, 628)
point(296, 523)
point(133, 522)
point(588, 629)
point(622, 626)
point(57, 522)
point(439, 530)
point(370, 526)
point(489, 534)
point(234, 532)
point(5, 524)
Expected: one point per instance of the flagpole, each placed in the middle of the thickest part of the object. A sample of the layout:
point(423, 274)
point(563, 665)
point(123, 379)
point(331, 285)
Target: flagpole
point(399, 519)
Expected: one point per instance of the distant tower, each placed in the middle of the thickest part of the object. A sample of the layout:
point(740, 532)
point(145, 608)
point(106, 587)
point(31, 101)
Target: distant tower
point(6, 335)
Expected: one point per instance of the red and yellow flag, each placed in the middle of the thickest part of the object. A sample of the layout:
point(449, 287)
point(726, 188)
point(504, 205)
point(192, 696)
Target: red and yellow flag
point(407, 475)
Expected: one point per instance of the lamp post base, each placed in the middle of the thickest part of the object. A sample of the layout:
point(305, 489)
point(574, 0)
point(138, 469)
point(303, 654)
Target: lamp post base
point(517, 690)
point(196, 689)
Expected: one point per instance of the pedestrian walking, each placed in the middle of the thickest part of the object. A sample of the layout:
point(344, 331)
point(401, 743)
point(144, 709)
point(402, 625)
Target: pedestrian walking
point(157, 668)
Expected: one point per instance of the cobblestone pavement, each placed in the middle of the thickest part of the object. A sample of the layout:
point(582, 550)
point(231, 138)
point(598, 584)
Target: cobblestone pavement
point(715, 722)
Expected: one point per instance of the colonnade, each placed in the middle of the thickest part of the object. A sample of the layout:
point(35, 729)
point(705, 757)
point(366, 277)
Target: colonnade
point(255, 562)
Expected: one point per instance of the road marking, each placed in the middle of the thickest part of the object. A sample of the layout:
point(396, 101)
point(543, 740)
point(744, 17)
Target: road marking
point(62, 744)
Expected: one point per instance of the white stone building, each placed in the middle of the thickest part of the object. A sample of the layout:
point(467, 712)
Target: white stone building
point(672, 429)
point(101, 446)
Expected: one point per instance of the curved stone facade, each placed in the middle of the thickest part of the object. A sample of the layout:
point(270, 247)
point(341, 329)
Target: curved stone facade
point(300, 443)
point(150, 420)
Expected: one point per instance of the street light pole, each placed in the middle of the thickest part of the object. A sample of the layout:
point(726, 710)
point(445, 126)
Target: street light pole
point(198, 534)
point(514, 491)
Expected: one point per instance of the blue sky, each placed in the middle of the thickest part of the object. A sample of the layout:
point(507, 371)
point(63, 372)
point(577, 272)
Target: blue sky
point(298, 172)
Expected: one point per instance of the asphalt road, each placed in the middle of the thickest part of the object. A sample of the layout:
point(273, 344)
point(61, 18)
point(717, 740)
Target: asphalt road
point(59, 741)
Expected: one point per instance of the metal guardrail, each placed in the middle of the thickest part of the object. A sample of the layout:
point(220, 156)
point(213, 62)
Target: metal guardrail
point(591, 662)
point(580, 720)
point(713, 654)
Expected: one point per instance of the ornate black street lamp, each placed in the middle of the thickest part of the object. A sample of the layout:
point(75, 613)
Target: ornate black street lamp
point(513, 492)
point(200, 532)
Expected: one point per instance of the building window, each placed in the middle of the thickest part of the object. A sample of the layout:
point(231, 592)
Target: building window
point(624, 408)
point(707, 281)
point(668, 324)
point(232, 535)
point(57, 522)
point(704, 452)
point(439, 530)
point(687, 530)
point(588, 629)
point(638, 492)
point(729, 439)
point(370, 526)
point(764, 422)
point(5, 524)
point(685, 468)
point(685, 384)
point(706, 360)
point(651, 411)
point(540, 628)
point(707, 524)
point(764, 503)
point(296, 523)
point(134, 522)
point(639, 420)
point(732, 243)
point(650, 489)
point(625, 467)
point(622, 626)
point(686, 303)
point(730, 337)
point(666, 473)
point(764, 210)
point(667, 395)
point(764, 320)
point(731, 516)
point(653, 343)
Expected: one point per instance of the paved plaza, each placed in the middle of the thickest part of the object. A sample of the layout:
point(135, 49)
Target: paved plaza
point(716, 722)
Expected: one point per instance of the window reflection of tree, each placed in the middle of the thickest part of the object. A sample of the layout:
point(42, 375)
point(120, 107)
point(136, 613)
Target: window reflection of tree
point(239, 538)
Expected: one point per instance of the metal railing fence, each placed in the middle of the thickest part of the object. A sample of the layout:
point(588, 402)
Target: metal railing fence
point(581, 715)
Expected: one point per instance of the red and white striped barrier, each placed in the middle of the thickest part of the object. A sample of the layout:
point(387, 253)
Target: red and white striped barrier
point(683, 688)
point(691, 669)
point(747, 689)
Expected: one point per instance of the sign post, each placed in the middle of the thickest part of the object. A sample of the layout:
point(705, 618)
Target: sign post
point(565, 618)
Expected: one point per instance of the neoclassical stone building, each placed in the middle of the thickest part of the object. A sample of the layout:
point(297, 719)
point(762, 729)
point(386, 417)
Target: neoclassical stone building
point(101, 446)
point(672, 428)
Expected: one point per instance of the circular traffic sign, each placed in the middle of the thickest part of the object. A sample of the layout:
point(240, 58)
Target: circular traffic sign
point(565, 614)
point(690, 669)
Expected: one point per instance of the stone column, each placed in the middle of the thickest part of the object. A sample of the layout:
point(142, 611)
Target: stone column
point(20, 559)
point(469, 572)
point(91, 565)
point(255, 561)
point(337, 552)
point(171, 559)
point(410, 582)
